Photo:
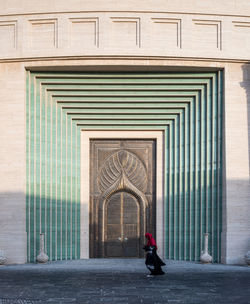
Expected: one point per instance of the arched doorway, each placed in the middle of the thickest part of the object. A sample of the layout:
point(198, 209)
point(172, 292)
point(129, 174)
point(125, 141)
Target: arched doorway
point(122, 196)
point(122, 226)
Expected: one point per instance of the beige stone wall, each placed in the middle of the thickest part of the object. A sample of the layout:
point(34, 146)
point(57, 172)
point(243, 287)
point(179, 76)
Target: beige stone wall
point(237, 155)
point(12, 162)
point(92, 30)
point(224, 7)
point(125, 35)
point(236, 208)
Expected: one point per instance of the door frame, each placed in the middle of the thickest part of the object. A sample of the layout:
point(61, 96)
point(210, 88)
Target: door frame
point(86, 136)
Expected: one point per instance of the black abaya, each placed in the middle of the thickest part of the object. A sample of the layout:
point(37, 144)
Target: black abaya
point(152, 259)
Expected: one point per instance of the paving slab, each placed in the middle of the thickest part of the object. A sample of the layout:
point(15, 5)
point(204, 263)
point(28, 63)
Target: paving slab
point(123, 281)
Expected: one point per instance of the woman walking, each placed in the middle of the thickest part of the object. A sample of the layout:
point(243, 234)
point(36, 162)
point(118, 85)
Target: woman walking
point(153, 262)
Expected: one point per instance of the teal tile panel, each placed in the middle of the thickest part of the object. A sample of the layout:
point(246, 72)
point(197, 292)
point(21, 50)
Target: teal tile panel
point(48, 181)
point(28, 178)
point(182, 203)
point(172, 191)
point(37, 156)
point(187, 171)
point(54, 200)
point(73, 190)
point(185, 105)
point(197, 172)
point(59, 200)
point(78, 191)
point(167, 190)
point(192, 181)
point(68, 187)
point(32, 231)
point(64, 189)
point(43, 225)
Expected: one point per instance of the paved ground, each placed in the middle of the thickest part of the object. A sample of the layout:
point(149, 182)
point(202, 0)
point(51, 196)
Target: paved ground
point(123, 281)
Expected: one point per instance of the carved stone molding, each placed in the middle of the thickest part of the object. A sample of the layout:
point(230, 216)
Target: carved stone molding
point(111, 34)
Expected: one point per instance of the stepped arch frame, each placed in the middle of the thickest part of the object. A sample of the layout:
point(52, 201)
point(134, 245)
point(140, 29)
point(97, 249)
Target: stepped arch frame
point(187, 106)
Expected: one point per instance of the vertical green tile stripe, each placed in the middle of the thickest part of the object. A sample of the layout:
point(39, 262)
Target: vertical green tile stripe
point(186, 106)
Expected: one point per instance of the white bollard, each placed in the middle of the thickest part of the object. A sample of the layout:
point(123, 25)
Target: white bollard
point(205, 256)
point(3, 258)
point(42, 256)
point(247, 258)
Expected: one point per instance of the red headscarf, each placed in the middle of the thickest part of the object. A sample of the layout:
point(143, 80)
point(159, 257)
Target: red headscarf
point(151, 240)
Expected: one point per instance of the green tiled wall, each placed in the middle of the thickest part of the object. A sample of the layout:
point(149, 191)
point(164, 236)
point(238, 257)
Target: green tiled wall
point(187, 106)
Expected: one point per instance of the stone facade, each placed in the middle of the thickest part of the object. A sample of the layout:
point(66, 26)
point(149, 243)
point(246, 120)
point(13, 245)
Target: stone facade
point(131, 36)
point(145, 33)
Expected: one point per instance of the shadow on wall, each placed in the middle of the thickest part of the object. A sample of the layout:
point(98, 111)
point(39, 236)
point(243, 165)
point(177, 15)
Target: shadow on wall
point(63, 234)
point(59, 220)
point(240, 190)
point(22, 219)
point(246, 85)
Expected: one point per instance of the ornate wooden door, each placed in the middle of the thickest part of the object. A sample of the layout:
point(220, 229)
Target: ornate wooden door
point(122, 196)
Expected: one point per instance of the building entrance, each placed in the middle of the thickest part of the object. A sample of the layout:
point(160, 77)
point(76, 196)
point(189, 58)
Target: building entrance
point(122, 196)
point(181, 111)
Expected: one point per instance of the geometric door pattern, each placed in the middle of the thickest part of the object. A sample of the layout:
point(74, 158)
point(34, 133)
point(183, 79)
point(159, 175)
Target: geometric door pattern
point(186, 106)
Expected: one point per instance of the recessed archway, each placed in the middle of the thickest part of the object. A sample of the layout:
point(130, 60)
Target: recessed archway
point(158, 137)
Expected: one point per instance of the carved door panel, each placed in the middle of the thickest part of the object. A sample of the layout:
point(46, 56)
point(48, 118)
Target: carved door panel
point(122, 226)
point(122, 196)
